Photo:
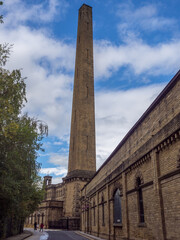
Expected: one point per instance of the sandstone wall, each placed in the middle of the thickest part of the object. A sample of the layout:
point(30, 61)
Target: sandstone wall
point(150, 152)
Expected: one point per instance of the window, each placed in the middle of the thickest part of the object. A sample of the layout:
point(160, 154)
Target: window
point(87, 91)
point(75, 116)
point(140, 201)
point(86, 143)
point(102, 202)
point(94, 213)
point(38, 218)
point(117, 207)
point(73, 143)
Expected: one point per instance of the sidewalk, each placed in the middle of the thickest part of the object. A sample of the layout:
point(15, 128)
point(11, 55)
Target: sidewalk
point(21, 236)
point(30, 234)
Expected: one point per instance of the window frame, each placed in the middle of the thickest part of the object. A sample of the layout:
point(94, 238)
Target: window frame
point(140, 201)
point(117, 206)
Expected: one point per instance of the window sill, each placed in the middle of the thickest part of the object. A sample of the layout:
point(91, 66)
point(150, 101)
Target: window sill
point(117, 225)
point(142, 225)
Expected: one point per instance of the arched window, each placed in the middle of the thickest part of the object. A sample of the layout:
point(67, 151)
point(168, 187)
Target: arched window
point(102, 202)
point(38, 218)
point(140, 200)
point(117, 207)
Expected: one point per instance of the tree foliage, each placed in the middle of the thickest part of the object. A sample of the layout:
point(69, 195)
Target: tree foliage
point(20, 140)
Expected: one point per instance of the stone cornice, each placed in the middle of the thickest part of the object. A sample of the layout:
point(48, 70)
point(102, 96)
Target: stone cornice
point(136, 160)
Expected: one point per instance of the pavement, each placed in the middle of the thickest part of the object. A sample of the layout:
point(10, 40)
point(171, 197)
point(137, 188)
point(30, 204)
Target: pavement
point(30, 234)
point(21, 236)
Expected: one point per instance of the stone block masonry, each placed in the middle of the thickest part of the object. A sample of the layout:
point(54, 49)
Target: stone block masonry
point(145, 169)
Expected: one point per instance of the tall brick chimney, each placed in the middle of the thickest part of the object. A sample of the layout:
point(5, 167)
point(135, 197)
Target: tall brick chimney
point(82, 152)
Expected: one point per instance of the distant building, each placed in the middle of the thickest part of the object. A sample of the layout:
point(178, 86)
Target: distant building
point(135, 194)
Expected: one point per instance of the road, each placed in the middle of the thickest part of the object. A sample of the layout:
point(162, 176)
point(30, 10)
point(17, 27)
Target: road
point(64, 235)
point(49, 234)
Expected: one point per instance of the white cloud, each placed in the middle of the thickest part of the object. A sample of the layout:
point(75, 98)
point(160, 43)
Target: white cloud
point(59, 159)
point(48, 65)
point(145, 18)
point(140, 57)
point(18, 11)
point(58, 143)
point(116, 113)
point(56, 180)
point(56, 171)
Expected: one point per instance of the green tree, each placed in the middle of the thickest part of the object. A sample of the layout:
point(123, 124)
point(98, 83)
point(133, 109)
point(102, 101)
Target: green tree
point(20, 140)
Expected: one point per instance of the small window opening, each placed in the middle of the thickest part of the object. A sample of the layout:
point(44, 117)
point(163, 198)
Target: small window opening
point(38, 219)
point(73, 144)
point(117, 207)
point(102, 201)
point(87, 91)
point(87, 143)
point(75, 116)
point(140, 201)
point(94, 214)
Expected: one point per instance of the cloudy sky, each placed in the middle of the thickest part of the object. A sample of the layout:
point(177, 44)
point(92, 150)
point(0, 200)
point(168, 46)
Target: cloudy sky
point(136, 53)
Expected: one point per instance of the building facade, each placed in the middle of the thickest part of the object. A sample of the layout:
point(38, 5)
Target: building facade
point(136, 193)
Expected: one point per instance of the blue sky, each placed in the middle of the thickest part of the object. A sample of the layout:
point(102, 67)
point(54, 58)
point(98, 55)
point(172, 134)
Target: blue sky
point(136, 53)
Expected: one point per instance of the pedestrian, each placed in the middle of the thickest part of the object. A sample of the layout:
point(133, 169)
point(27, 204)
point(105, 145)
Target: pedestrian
point(41, 227)
point(35, 226)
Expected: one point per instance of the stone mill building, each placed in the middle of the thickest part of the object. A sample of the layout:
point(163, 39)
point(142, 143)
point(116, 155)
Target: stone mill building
point(135, 194)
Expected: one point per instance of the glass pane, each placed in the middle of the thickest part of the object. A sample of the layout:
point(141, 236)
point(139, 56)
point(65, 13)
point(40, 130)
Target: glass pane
point(117, 207)
point(141, 208)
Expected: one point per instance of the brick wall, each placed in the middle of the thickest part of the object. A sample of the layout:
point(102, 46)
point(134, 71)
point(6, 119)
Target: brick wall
point(150, 152)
